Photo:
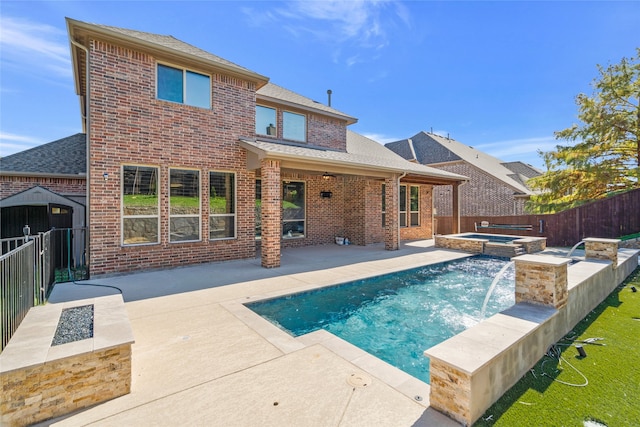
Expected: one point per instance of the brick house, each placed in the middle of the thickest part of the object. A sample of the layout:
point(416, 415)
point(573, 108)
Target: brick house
point(495, 188)
point(193, 159)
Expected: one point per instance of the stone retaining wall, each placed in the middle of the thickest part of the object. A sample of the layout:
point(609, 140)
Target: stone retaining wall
point(40, 381)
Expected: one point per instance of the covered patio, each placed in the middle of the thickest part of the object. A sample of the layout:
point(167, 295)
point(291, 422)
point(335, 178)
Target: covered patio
point(367, 194)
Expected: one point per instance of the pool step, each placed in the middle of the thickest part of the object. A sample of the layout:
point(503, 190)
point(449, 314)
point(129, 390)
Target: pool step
point(505, 250)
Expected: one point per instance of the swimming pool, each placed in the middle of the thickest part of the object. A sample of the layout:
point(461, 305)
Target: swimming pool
point(397, 316)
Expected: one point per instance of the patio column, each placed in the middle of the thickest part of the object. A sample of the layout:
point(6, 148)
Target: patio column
point(455, 214)
point(271, 213)
point(392, 224)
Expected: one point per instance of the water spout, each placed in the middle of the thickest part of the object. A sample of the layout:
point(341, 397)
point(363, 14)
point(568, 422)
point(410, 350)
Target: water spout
point(493, 286)
point(581, 242)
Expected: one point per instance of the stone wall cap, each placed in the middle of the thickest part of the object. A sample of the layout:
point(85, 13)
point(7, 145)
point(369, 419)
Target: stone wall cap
point(601, 240)
point(542, 259)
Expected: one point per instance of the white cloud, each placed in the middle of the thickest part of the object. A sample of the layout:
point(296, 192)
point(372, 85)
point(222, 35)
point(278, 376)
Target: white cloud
point(34, 46)
point(358, 24)
point(516, 147)
point(381, 138)
point(12, 143)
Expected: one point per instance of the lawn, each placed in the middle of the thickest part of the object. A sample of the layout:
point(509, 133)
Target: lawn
point(566, 389)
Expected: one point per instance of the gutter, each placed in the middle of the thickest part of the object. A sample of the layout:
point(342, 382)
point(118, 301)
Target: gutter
point(44, 175)
point(87, 122)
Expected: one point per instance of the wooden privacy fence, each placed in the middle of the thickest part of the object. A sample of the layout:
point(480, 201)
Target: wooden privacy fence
point(607, 218)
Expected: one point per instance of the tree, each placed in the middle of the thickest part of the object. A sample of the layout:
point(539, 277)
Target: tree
point(605, 156)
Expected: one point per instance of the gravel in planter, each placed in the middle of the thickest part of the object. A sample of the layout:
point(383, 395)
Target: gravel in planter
point(75, 324)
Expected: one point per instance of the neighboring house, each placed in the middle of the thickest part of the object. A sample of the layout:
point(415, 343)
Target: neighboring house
point(495, 188)
point(44, 187)
point(194, 159)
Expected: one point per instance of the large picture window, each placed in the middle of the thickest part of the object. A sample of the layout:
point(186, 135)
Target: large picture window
point(184, 205)
point(183, 86)
point(294, 126)
point(384, 205)
point(222, 205)
point(258, 209)
point(403, 205)
point(266, 121)
point(293, 209)
point(140, 218)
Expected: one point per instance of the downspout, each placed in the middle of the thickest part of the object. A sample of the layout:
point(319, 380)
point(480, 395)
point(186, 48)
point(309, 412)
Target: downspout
point(87, 246)
point(399, 178)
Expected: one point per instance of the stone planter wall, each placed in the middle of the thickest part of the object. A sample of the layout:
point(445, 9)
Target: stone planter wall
point(40, 381)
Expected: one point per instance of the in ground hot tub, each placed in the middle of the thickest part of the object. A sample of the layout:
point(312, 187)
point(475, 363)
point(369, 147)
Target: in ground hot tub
point(502, 245)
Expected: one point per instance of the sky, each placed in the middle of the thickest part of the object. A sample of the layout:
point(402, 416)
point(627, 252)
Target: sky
point(499, 76)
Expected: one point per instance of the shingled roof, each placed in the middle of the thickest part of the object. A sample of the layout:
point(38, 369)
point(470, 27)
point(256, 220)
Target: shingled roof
point(66, 156)
point(362, 154)
point(431, 149)
point(273, 92)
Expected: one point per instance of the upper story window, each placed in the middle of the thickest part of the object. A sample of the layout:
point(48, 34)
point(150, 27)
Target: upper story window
point(184, 86)
point(294, 126)
point(265, 121)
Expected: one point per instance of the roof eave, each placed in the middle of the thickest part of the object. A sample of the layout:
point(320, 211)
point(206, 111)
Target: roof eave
point(79, 27)
point(44, 174)
point(350, 120)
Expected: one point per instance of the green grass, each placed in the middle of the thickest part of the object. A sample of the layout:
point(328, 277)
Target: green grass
point(612, 395)
point(139, 200)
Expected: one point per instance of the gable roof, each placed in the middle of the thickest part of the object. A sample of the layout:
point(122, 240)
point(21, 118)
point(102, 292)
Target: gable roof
point(280, 95)
point(65, 157)
point(165, 46)
point(363, 155)
point(432, 149)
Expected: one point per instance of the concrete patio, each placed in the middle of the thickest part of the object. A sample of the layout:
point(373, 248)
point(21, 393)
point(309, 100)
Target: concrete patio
point(201, 358)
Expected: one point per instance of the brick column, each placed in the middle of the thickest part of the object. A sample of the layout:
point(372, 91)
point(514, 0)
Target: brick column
point(271, 213)
point(541, 280)
point(606, 249)
point(392, 226)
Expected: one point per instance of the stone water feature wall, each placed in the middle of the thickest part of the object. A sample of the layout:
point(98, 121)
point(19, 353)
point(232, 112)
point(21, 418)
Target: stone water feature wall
point(41, 381)
point(472, 370)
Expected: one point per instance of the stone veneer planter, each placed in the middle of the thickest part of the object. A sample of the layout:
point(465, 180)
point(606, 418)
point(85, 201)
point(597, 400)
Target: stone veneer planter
point(40, 381)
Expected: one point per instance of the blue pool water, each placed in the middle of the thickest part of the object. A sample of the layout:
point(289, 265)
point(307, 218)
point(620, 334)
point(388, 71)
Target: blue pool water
point(397, 316)
point(492, 237)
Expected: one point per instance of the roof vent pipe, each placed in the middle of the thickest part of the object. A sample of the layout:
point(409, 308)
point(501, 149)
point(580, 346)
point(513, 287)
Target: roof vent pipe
point(329, 97)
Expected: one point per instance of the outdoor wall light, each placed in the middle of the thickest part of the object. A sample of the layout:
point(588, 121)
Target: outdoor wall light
point(105, 176)
point(327, 176)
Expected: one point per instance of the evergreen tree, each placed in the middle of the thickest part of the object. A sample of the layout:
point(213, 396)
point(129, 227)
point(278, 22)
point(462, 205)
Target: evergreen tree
point(605, 154)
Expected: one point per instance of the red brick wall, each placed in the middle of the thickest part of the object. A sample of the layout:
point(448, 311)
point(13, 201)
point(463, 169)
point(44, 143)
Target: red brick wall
point(10, 185)
point(129, 125)
point(482, 195)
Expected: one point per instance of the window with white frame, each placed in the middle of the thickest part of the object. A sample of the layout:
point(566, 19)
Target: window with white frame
point(384, 205)
point(403, 205)
point(258, 209)
point(140, 205)
point(222, 205)
point(294, 126)
point(293, 209)
point(266, 121)
point(184, 205)
point(183, 86)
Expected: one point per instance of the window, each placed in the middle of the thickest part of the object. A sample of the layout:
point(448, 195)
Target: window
point(403, 206)
point(409, 205)
point(184, 86)
point(258, 209)
point(414, 205)
point(140, 218)
point(184, 205)
point(293, 209)
point(222, 205)
point(294, 126)
point(265, 121)
point(384, 205)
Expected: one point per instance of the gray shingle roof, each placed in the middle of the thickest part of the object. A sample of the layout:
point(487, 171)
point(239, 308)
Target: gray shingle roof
point(66, 156)
point(166, 42)
point(432, 149)
point(361, 153)
point(279, 93)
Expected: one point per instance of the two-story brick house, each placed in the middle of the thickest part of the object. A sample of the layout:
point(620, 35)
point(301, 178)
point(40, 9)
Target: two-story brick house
point(495, 188)
point(191, 158)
